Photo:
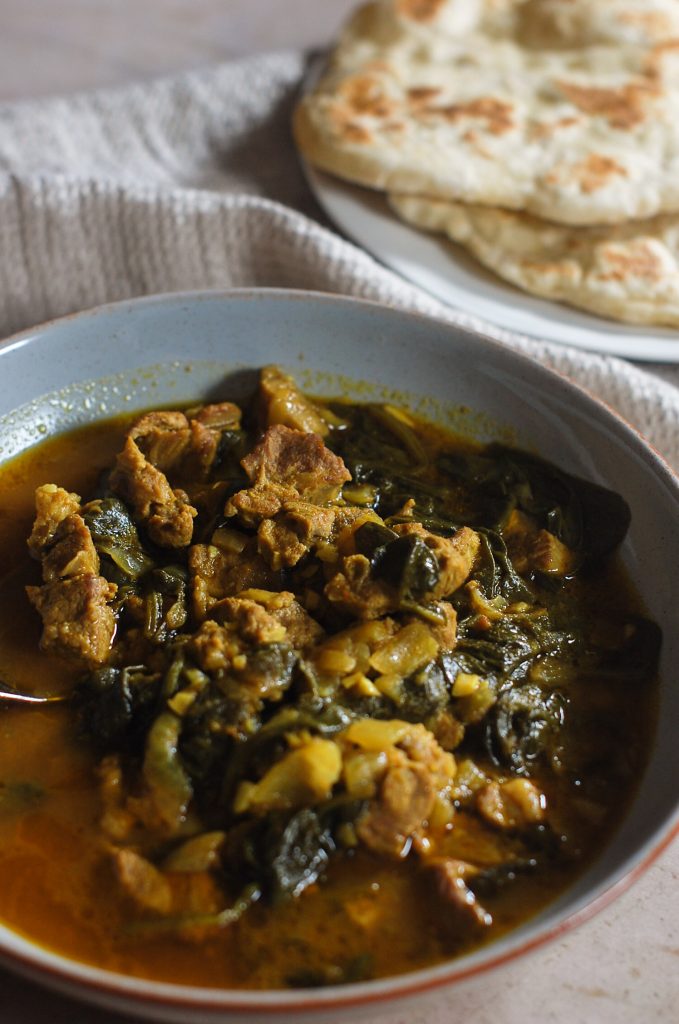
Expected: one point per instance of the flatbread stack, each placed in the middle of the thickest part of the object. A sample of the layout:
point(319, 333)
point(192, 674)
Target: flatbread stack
point(541, 135)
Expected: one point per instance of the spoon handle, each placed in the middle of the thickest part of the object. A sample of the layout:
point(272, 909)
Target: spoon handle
point(12, 696)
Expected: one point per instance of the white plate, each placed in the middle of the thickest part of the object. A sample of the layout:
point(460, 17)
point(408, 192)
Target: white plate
point(449, 273)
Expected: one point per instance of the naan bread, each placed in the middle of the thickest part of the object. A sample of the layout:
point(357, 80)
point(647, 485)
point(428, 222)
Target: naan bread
point(568, 109)
point(629, 272)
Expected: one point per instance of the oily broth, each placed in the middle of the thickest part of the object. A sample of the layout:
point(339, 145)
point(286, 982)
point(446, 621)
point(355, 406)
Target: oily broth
point(56, 885)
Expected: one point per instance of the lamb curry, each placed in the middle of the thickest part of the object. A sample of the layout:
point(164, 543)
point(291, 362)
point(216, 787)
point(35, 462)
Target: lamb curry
point(348, 696)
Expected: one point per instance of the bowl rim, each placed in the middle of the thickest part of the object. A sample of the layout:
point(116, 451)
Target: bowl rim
point(42, 964)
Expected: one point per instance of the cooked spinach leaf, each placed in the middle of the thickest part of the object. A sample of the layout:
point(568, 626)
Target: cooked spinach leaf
point(587, 518)
point(506, 650)
point(521, 725)
point(166, 780)
point(495, 572)
point(115, 536)
point(408, 565)
point(116, 706)
point(295, 852)
point(282, 853)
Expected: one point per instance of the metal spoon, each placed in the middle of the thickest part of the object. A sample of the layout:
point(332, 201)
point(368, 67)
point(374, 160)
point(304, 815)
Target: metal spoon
point(9, 695)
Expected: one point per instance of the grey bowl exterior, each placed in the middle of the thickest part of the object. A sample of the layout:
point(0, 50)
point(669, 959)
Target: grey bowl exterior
point(175, 349)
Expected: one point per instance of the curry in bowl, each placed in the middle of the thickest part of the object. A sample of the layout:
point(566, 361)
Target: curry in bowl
point(347, 695)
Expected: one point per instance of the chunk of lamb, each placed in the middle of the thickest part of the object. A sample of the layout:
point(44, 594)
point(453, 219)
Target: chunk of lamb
point(217, 573)
point(162, 894)
point(163, 438)
point(63, 545)
point(266, 617)
point(417, 771)
point(516, 804)
point(448, 876)
point(256, 504)
point(445, 633)
point(354, 590)
point(218, 416)
point(300, 526)
point(532, 549)
point(405, 801)
point(184, 446)
point(287, 465)
point(165, 513)
point(280, 401)
point(142, 882)
point(52, 505)
point(77, 619)
point(294, 531)
point(117, 821)
point(249, 673)
point(73, 601)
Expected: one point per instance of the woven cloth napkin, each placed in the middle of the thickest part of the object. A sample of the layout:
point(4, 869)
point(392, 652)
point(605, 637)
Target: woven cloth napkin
point(193, 182)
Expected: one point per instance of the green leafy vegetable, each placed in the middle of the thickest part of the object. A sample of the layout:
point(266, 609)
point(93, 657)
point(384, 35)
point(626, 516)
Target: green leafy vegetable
point(408, 565)
point(492, 880)
point(587, 518)
point(506, 651)
point(521, 725)
point(187, 923)
point(115, 535)
point(372, 537)
point(294, 853)
point(116, 706)
point(166, 779)
point(397, 470)
point(252, 755)
point(165, 604)
point(495, 572)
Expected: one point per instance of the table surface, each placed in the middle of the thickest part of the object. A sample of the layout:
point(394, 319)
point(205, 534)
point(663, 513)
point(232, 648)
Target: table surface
point(621, 967)
point(58, 46)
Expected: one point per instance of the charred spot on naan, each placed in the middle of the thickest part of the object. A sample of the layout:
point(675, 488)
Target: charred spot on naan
point(366, 95)
point(496, 114)
point(652, 24)
point(623, 107)
point(596, 171)
point(419, 10)
point(641, 258)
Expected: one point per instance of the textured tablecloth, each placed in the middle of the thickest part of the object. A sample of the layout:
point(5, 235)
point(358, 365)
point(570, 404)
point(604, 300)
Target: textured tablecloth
point(193, 182)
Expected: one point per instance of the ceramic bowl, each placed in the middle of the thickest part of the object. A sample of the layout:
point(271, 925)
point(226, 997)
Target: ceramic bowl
point(179, 348)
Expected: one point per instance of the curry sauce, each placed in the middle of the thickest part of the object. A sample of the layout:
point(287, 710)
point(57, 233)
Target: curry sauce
point(332, 670)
